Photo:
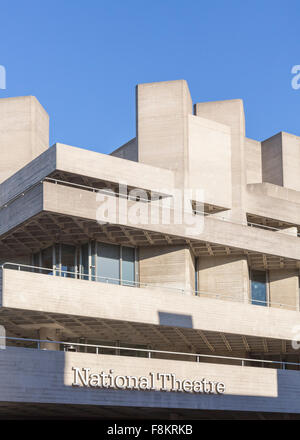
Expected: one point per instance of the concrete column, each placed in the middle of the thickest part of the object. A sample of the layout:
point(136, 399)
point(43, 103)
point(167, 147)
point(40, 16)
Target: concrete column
point(51, 334)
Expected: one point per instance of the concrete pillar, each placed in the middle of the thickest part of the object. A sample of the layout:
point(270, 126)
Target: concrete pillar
point(50, 333)
point(24, 133)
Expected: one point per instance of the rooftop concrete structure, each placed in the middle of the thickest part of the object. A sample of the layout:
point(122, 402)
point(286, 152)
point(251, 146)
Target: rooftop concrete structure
point(24, 133)
point(178, 253)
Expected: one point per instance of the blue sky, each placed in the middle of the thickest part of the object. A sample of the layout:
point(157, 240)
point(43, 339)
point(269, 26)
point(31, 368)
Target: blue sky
point(83, 58)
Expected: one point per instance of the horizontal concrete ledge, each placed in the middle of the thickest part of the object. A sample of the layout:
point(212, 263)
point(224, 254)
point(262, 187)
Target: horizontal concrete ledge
point(154, 306)
point(75, 202)
point(66, 158)
point(28, 375)
point(273, 201)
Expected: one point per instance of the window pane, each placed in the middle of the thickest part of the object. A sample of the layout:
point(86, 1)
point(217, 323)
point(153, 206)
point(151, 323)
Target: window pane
point(36, 262)
point(128, 266)
point(93, 258)
point(85, 261)
point(108, 263)
point(57, 259)
point(258, 288)
point(47, 260)
point(67, 260)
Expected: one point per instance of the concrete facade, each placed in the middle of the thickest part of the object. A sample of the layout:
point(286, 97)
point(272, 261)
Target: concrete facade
point(24, 133)
point(181, 247)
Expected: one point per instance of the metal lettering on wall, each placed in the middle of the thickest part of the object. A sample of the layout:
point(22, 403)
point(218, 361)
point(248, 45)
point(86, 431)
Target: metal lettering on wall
point(152, 382)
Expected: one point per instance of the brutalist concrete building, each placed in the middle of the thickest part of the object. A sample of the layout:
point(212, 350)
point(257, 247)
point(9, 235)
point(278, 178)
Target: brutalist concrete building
point(160, 281)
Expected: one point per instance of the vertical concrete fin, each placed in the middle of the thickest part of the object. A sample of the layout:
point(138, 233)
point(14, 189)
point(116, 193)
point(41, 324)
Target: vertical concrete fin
point(231, 113)
point(162, 125)
point(271, 159)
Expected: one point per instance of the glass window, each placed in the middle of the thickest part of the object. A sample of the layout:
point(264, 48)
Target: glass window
point(258, 288)
point(108, 263)
point(93, 260)
point(85, 261)
point(68, 260)
point(36, 262)
point(47, 260)
point(128, 266)
point(133, 353)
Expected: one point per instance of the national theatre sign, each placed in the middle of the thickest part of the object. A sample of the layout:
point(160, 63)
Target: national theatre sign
point(151, 382)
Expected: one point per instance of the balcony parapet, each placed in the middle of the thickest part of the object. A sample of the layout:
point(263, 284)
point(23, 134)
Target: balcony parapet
point(30, 291)
point(56, 272)
point(46, 376)
point(145, 353)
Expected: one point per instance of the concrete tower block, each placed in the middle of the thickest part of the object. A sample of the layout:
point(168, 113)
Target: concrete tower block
point(281, 160)
point(24, 133)
point(231, 113)
point(162, 125)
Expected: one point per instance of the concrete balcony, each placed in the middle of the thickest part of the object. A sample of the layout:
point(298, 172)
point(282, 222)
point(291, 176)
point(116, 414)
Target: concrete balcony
point(49, 201)
point(143, 306)
point(52, 377)
point(273, 201)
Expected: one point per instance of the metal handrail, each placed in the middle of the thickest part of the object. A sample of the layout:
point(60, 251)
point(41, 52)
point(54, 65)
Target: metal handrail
point(96, 190)
point(128, 283)
point(247, 223)
point(93, 189)
point(148, 351)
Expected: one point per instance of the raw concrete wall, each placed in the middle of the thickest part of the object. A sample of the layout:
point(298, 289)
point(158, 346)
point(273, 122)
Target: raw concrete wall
point(21, 209)
point(271, 150)
point(273, 201)
point(281, 160)
point(28, 375)
point(227, 276)
point(284, 288)
point(24, 133)
point(128, 151)
point(45, 293)
point(113, 169)
point(253, 161)
point(162, 125)
point(209, 160)
point(231, 113)
point(29, 175)
point(170, 266)
point(291, 161)
point(80, 203)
